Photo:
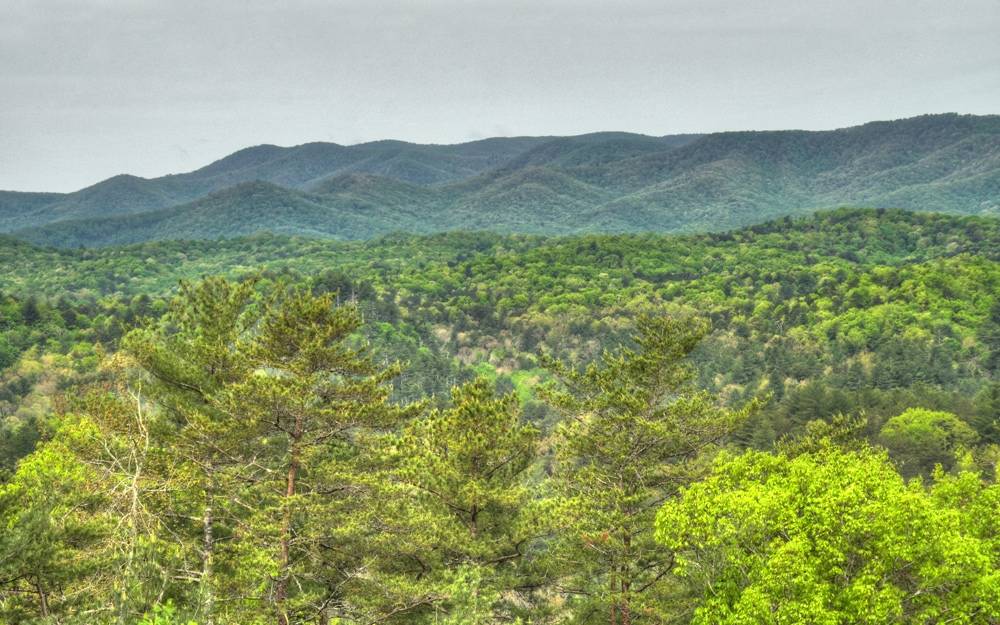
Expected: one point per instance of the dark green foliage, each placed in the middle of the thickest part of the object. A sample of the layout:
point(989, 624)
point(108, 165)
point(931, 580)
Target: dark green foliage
point(604, 182)
point(236, 211)
point(919, 439)
point(301, 167)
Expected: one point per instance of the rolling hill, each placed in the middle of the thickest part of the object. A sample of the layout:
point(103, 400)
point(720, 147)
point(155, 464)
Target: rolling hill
point(298, 168)
point(601, 182)
point(241, 210)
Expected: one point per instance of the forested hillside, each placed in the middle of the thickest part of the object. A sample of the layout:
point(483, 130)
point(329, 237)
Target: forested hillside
point(479, 427)
point(299, 167)
point(603, 182)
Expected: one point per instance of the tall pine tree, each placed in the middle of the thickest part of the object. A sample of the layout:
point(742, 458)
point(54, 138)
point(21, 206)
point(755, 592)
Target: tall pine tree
point(635, 430)
point(461, 511)
point(314, 402)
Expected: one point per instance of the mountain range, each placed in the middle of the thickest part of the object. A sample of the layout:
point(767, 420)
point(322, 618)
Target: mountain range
point(607, 182)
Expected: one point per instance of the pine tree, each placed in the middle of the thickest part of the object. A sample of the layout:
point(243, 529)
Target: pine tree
point(190, 357)
point(463, 513)
point(634, 432)
point(312, 404)
point(30, 311)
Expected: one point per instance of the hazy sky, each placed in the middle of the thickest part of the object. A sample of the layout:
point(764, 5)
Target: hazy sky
point(92, 88)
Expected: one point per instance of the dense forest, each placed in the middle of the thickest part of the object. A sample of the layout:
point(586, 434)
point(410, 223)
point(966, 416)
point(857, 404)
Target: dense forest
point(793, 422)
point(601, 182)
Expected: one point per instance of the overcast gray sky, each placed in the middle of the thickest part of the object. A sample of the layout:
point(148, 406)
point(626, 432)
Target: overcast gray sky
point(92, 88)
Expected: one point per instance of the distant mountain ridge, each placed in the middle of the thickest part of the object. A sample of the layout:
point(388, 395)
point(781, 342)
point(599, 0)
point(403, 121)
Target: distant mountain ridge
point(610, 182)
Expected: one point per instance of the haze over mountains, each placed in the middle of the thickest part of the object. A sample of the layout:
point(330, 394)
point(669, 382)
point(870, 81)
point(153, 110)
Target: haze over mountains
point(609, 182)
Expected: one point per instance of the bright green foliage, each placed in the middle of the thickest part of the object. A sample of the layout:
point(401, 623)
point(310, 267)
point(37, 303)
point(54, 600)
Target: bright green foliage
point(833, 537)
point(93, 502)
point(463, 504)
point(919, 439)
point(634, 431)
point(45, 343)
point(470, 601)
point(50, 520)
point(846, 311)
point(163, 614)
point(122, 445)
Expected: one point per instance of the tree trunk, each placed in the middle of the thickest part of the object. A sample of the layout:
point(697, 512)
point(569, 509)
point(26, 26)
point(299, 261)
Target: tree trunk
point(281, 588)
point(207, 559)
point(43, 599)
point(614, 603)
point(626, 581)
point(474, 521)
point(625, 608)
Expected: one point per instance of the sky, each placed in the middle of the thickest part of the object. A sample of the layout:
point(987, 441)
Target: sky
point(94, 88)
